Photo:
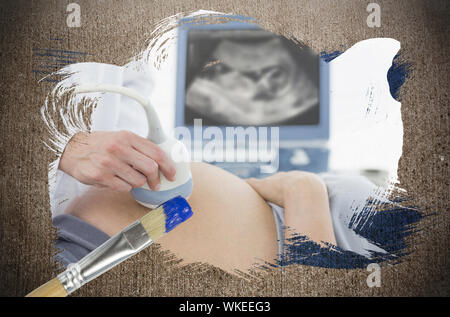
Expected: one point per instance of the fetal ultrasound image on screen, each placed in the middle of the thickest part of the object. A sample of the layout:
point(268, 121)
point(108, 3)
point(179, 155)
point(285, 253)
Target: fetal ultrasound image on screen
point(250, 77)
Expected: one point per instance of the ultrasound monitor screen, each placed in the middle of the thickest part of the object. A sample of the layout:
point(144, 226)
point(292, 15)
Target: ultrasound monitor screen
point(250, 77)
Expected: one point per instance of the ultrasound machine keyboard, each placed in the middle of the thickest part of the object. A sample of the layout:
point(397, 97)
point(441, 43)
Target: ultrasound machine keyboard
point(310, 159)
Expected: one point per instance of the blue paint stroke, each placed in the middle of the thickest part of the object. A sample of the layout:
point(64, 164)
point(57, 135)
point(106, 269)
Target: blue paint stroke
point(65, 61)
point(50, 61)
point(387, 228)
point(53, 55)
point(301, 250)
point(52, 50)
point(53, 59)
point(51, 64)
point(396, 76)
point(328, 57)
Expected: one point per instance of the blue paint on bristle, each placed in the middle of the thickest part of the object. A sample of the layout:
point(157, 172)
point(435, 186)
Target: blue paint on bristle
point(177, 210)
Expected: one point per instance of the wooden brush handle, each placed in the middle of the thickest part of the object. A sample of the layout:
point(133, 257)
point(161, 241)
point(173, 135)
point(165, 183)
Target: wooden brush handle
point(52, 288)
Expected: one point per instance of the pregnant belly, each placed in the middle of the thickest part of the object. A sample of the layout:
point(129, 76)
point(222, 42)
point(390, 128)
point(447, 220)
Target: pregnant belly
point(232, 226)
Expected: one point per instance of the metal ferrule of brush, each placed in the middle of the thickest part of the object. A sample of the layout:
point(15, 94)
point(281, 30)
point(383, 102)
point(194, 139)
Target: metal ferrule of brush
point(117, 249)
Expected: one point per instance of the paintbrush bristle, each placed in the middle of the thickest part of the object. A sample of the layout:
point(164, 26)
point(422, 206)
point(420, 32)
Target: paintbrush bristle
point(166, 217)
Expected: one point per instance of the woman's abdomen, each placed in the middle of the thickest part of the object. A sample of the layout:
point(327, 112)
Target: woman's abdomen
point(232, 226)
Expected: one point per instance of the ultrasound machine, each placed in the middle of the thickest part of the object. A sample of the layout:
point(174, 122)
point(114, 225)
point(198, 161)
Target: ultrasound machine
point(302, 142)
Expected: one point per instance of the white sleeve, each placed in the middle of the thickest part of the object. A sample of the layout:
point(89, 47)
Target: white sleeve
point(112, 113)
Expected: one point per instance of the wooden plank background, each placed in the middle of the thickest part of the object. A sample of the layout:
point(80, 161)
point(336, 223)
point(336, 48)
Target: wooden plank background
point(113, 31)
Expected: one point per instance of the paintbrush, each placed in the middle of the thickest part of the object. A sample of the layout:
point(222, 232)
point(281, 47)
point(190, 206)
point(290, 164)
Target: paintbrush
point(117, 249)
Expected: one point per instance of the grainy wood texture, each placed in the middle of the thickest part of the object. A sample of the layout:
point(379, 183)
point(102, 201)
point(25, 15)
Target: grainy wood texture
point(113, 31)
